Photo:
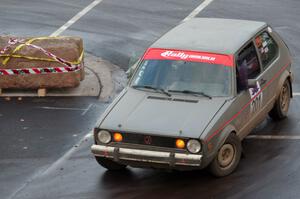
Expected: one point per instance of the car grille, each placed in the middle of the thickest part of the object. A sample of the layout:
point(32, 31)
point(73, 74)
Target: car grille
point(150, 140)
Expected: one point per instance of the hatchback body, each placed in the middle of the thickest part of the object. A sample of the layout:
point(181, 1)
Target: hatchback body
point(194, 95)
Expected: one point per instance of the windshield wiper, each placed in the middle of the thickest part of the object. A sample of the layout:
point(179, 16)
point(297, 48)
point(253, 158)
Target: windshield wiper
point(152, 88)
point(191, 92)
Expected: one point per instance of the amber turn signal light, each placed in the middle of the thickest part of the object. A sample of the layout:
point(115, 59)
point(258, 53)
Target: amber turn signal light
point(180, 143)
point(118, 137)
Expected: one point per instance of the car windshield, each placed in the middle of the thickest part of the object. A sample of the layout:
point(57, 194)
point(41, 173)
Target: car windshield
point(177, 75)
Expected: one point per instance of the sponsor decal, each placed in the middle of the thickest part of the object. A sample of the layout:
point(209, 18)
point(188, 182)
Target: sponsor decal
point(257, 96)
point(184, 55)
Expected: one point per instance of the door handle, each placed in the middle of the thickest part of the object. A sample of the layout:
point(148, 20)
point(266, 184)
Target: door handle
point(262, 81)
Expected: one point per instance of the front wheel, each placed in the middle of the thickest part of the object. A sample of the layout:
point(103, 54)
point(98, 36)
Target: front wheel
point(227, 158)
point(109, 164)
point(281, 106)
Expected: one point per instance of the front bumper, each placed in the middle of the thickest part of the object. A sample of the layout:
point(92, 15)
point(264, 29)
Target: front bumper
point(170, 159)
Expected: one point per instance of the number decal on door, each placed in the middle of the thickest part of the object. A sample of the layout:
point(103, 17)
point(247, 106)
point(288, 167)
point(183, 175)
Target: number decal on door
point(256, 104)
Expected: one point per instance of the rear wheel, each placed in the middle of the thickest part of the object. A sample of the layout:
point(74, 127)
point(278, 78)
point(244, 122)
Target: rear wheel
point(227, 158)
point(109, 164)
point(281, 106)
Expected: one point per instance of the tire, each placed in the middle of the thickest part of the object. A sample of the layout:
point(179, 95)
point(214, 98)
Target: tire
point(281, 106)
point(227, 158)
point(109, 164)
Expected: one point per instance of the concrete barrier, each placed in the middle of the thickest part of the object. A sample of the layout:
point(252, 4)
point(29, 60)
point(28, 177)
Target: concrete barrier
point(44, 62)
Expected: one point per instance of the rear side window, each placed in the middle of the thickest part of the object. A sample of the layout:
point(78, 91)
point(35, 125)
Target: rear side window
point(267, 48)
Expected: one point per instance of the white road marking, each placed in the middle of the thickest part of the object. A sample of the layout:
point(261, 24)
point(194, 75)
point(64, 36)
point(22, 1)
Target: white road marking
point(89, 135)
point(274, 137)
point(75, 18)
point(296, 94)
point(197, 10)
point(87, 109)
point(61, 108)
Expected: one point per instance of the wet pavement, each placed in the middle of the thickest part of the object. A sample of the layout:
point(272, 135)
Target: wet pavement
point(269, 169)
point(43, 149)
point(36, 132)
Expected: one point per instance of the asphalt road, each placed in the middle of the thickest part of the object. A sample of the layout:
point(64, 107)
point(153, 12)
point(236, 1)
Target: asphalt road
point(36, 132)
point(38, 158)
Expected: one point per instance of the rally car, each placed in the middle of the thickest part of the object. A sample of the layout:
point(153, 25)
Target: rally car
point(194, 95)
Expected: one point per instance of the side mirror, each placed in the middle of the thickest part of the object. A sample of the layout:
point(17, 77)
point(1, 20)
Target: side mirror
point(133, 62)
point(252, 83)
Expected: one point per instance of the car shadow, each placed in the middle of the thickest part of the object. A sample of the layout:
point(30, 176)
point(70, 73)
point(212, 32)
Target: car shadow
point(148, 183)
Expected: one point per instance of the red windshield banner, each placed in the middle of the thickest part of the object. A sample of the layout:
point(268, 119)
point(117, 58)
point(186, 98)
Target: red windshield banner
point(184, 55)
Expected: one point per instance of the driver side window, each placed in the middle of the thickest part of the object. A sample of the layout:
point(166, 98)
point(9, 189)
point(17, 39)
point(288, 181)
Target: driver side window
point(247, 66)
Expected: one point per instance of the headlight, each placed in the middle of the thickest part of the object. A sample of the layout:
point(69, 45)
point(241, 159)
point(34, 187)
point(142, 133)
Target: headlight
point(104, 136)
point(193, 146)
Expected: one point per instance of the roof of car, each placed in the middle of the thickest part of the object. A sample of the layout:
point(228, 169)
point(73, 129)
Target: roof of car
point(224, 36)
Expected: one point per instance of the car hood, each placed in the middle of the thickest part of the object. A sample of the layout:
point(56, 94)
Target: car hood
point(154, 113)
